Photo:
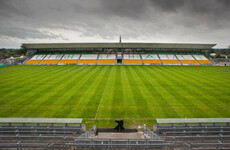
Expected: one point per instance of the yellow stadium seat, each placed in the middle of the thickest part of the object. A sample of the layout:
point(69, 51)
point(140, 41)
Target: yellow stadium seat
point(170, 61)
point(190, 62)
point(205, 62)
point(50, 61)
point(151, 61)
point(87, 61)
point(132, 61)
point(68, 61)
point(33, 62)
point(106, 61)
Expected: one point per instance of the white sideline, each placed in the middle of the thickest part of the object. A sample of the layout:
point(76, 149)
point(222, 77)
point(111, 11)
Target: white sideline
point(174, 109)
point(169, 104)
point(102, 96)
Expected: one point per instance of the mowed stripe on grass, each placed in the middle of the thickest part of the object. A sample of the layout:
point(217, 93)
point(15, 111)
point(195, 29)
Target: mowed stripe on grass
point(100, 94)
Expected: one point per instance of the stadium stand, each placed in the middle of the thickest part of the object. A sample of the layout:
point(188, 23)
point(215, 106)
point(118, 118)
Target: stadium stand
point(150, 59)
point(127, 58)
point(38, 133)
point(36, 59)
point(131, 59)
point(169, 59)
point(177, 125)
point(202, 59)
point(126, 53)
point(173, 133)
point(195, 133)
point(52, 59)
point(69, 59)
point(107, 59)
point(88, 59)
point(91, 140)
point(187, 60)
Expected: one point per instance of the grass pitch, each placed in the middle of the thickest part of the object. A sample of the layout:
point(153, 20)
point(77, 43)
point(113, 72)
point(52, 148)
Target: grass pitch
point(100, 94)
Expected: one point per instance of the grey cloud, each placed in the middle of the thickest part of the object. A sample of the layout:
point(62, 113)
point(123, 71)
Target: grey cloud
point(22, 33)
point(14, 8)
point(125, 8)
point(168, 5)
point(160, 20)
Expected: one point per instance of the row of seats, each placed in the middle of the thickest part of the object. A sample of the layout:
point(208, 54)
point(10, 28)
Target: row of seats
point(52, 61)
point(151, 61)
point(72, 59)
point(205, 62)
point(206, 135)
point(165, 59)
point(87, 61)
point(131, 59)
point(33, 62)
point(202, 59)
point(36, 59)
point(189, 62)
point(170, 61)
point(68, 61)
point(32, 136)
point(107, 59)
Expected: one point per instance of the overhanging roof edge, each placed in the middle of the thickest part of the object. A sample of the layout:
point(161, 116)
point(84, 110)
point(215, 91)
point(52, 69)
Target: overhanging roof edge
point(115, 45)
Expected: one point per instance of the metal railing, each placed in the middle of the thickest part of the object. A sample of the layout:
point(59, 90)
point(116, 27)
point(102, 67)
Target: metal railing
point(87, 134)
point(218, 145)
point(118, 143)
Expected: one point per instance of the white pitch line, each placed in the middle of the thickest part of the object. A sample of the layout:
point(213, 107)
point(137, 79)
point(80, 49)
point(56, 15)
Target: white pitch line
point(102, 96)
point(173, 109)
point(169, 104)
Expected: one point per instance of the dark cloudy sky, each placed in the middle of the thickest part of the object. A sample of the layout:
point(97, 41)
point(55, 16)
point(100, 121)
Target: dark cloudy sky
point(173, 21)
